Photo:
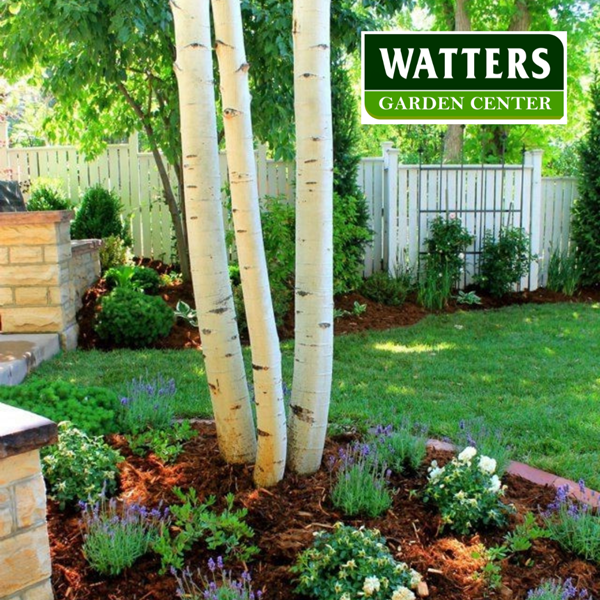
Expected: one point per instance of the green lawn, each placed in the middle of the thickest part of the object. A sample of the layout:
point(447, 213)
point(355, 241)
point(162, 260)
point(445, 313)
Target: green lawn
point(532, 372)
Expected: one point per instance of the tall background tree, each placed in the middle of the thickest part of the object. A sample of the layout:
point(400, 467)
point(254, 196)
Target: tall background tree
point(586, 212)
point(108, 66)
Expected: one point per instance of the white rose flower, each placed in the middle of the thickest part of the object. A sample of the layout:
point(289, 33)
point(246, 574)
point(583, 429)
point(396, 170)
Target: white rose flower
point(403, 593)
point(371, 586)
point(487, 464)
point(495, 484)
point(345, 597)
point(467, 454)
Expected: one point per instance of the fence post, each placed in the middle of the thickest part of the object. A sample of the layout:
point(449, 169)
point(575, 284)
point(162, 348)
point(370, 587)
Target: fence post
point(134, 195)
point(390, 207)
point(533, 159)
point(5, 169)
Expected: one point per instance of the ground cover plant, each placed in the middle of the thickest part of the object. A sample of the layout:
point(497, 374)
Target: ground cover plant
point(92, 409)
point(444, 370)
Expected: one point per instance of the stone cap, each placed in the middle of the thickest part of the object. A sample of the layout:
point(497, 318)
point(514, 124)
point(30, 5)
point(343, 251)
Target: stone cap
point(81, 246)
point(22, 431)
point(36, 217)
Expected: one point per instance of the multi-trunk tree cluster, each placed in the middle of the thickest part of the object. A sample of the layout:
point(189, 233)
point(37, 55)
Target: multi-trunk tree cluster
point(268, 445)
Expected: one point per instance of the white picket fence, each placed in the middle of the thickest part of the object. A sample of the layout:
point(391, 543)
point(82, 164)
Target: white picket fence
point(134, 177)
point(402, 199)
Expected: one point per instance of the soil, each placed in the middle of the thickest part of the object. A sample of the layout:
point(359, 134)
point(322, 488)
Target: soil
point(284, 519)
point(377, 316)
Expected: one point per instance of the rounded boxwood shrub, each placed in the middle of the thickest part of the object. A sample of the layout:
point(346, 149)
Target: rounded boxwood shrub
point(99, 216)
point(91, 409)
point(133, 319)
point(47, 194)
point(146, 279)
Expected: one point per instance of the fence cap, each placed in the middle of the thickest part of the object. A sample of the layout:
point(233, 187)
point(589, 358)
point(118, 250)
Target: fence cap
point(22, 431)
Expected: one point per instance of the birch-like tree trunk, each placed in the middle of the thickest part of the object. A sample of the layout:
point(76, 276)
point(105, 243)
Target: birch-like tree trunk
point(241, 160)
point(313, 363)
point(204, 214)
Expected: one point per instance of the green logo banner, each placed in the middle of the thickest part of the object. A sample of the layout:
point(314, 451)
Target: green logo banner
point(485, 78)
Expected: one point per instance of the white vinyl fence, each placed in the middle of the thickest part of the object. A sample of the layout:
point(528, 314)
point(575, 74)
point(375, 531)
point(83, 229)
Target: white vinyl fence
point(402, 199)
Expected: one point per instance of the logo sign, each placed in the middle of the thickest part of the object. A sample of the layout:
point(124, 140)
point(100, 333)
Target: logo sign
point(458, 77)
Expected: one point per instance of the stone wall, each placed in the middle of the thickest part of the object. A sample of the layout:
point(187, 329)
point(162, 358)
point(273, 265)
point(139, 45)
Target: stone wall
point(25, 568)
point(41, 278)
point(85, 266)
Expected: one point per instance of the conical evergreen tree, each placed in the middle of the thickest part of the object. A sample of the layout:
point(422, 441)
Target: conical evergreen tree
point(586, 212)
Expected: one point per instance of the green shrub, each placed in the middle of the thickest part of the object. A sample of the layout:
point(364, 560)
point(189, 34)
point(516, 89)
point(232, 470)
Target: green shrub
point(444, 263)
point(351, 563)
point(586, 210)
point(132, 319)
point(91, 409)
point(99, 216)
point(139, 278)
point(467, 492)
point(351, 236)
point(115, 536)
point(504, 261)
point(446, 246)
point(113, 253)
point(564, 272)
point(79, 467)
point(146, 279)
point(47, 194)
point(387, 289)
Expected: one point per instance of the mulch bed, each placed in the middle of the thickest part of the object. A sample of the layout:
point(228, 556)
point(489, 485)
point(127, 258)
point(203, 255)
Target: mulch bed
point(376, 317)
point(284, 519)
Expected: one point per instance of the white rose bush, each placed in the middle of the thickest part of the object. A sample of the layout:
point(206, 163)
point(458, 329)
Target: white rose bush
point(467, 491)
point(352, 564)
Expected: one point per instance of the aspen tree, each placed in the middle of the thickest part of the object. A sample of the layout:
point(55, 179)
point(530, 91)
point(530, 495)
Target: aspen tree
point(204, 216)
point(313, 360)
point(241, 161)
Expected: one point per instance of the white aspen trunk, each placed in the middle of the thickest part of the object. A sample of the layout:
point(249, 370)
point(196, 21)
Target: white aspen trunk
point(309, 408)
point(204, 214)
point(241, 160)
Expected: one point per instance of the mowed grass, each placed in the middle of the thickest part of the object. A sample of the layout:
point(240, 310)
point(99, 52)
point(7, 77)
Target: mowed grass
point(531, 372)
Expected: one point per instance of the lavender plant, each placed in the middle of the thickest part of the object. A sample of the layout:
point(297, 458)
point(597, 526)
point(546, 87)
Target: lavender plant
point(148, 404)
point(220, 585)
point(361, 485)
point(116, 535)
point(558, 590)
point(401, 449)
point(575, 526)
point(467, 492)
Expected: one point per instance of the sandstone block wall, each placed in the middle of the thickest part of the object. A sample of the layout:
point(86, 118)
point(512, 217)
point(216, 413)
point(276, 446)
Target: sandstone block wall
point(25, 568)
point(41, 276)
